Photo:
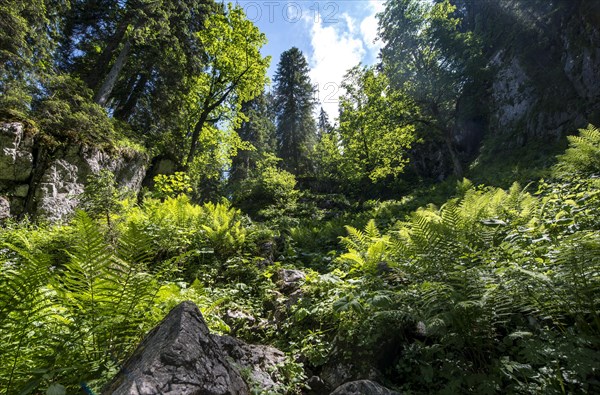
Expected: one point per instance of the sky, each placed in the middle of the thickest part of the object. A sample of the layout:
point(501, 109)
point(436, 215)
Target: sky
point(333, 35)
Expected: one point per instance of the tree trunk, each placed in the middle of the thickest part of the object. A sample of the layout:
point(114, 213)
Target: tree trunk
point(100, 69)
point(196, 136)
point(124, 111)
point(107, 86)
point(456, 165)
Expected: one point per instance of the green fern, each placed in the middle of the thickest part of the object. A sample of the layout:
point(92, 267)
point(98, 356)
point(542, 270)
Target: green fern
point(582, 158)
point(367, 251)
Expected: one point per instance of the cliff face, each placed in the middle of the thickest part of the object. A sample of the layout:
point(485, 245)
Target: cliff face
point(547, 86)
point(541, 83)
point(46, 185)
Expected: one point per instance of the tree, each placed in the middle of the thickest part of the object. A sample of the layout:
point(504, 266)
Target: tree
point(258, 129)
point(374, 127)
point(138, 57)
point(234, 73)
point(429, 58)
point(323, 124)
point(28, 39)
point(294, 102)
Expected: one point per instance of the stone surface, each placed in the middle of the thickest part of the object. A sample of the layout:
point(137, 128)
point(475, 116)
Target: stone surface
point(363, 387)
point(178, 357)
point(317, 386)
point(339, 371)
point(260, 361)
point(16, 158)
point(289, 280)
point(65, 177)
point(4, 208)
point(54, 181)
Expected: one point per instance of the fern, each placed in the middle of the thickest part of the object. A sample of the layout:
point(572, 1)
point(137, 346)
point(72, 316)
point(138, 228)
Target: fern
point(582, 158)
point(367, 251)
point(25, 302)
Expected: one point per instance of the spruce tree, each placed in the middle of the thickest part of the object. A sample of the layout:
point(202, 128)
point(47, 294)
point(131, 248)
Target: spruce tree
point(323, 124)
point(258, 130)
point(296, 129)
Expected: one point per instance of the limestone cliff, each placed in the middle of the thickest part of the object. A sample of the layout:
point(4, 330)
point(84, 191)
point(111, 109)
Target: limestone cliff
point(46, 184)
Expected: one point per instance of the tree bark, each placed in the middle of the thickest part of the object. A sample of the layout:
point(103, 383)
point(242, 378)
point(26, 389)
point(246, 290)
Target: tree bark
point(457, 166)
point(196, 136)
point(107, 86)
point(124, 111)
point(100, 69)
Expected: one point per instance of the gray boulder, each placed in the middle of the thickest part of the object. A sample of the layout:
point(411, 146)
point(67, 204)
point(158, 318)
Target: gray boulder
point(178, 357)
point(363, 387)
point(261, 362)
point(289, 280)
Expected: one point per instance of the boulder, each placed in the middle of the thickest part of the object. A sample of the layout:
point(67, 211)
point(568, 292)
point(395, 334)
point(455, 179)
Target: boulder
point(289, 280)
point(180, 357)
point(261, 362)
point(363, 387)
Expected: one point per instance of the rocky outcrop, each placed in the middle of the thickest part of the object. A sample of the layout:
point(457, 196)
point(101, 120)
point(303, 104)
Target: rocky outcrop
point(66, 174)
point(363, 387)
point(550, 88)
point(262, 363)
point(179, 357)
point(289, 280)
point(47, 185)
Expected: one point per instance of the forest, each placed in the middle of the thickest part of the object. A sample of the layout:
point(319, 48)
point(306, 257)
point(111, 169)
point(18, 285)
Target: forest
point(443, 228)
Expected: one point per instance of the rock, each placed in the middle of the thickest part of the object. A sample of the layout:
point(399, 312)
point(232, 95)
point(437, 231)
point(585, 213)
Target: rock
point(65, 177)
point(21, 190)
point(51, 183)
point(4, 208)
point(363, 387)
point(338, 371)
point(237, 319)
point(317, 386)
point(59, 190)
point(289, 280)
point(178, 357)
point(260, 361)
point(16, 157)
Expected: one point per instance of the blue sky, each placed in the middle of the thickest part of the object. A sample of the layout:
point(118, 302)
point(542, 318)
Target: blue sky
point(333, 35)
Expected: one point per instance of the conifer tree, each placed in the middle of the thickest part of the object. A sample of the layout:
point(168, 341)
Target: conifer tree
point(259, 130)
point(294, 102)
point(323, 124)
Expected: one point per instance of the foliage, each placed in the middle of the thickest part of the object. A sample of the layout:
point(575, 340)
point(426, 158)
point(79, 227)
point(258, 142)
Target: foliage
point(373, 127)
point(171, 186)
point(259, 130)
point(68, 113)
point(430, 59)
point(271, 189)
point(293, 99)
point(71, 322)
point(234, 73)
point(100, 196)
point(582, 158)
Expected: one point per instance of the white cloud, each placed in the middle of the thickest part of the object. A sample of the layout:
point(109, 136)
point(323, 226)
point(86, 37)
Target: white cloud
point(339, 47)
point(333, 53)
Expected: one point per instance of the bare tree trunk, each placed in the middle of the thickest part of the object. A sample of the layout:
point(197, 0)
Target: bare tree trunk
point(101, 66)
point(124, 110)
point(456, 165)
point(107, 86)
point(195, 137)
